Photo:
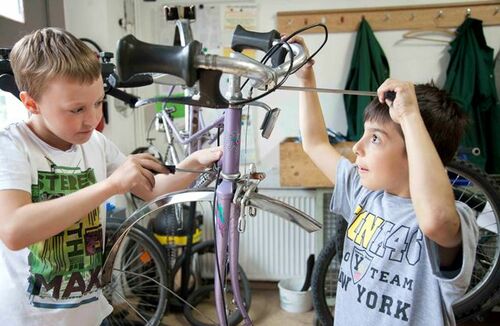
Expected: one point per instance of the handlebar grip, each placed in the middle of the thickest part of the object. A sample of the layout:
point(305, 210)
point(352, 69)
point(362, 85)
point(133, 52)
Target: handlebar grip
point(245, 39)
point(135, 57)
point(136, 81)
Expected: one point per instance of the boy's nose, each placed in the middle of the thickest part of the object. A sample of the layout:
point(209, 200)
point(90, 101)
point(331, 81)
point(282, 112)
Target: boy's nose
point(357, 147)
point(93, 118)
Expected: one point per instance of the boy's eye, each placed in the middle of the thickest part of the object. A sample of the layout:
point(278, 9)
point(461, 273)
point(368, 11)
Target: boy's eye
point(77, 110)
point(375, 139)
point(97, 104)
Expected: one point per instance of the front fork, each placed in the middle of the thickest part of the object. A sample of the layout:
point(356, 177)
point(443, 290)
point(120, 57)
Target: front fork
point(227, 214)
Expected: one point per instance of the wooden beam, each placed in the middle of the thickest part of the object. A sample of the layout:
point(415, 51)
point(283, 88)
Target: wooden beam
point(392, 18)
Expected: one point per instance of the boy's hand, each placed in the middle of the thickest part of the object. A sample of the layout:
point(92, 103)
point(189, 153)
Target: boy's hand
point(137, 171)
point(207, 156)
point(405, 103)
point(306, 72)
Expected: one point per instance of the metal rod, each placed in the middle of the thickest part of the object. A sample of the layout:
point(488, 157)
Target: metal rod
point(328, 90)
point(193, 171)
point(173, 169)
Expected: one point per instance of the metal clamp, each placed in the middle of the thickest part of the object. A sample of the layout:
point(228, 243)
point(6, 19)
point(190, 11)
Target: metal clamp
point(232, 176)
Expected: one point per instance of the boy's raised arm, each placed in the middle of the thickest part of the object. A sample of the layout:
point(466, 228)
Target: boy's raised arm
point(312, 124)
point(430, 188)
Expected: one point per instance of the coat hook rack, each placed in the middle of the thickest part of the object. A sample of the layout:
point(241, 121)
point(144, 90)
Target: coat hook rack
point(392, 18)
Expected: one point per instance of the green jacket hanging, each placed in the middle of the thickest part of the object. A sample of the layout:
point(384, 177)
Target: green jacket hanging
point(369, 69)
point(470, 81)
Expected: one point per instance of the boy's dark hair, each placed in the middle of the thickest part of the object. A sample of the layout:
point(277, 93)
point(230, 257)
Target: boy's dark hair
point(48, 53)
point(442, 117)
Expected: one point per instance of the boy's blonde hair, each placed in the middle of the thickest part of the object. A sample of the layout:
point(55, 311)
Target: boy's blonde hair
point(48, 53)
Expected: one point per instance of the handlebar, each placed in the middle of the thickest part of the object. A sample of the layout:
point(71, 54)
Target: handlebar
point(188, 62)
point(7, 82)
point(111, 80)
point(134, 81)
point(245, 39)
point(135, 57)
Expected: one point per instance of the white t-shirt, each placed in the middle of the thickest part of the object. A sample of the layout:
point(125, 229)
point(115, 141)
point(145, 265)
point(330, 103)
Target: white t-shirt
point(56, 281)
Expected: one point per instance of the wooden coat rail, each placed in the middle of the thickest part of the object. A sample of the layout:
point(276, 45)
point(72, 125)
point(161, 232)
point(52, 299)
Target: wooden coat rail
point(392, 18)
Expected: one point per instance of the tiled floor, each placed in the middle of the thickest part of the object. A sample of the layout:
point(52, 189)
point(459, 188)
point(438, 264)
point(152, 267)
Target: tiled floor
point(265, 310)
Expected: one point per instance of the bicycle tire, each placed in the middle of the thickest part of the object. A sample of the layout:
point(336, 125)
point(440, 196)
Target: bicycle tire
point(318, 281)
point(137, 293)
point(204, 291)
point(198, 249)
point(480, 291)
point(486, 274)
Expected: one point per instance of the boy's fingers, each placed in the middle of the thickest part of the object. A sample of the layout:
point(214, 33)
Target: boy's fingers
point(310, 63)
point(216, 154)
point(387, 85)
point(149, 179)
point(142, 155)
point(146, 156)
point(154, 166)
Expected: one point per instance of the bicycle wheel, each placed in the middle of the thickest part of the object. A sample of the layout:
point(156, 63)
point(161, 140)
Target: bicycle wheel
point(202, 298)
point(470, 186)
point(134, 293)
point(476, 189)
point(323, 297)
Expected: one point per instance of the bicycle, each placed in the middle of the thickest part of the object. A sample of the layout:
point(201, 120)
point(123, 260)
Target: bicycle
point(165, 228)
point(162, 264)
point(196, 139)
point(236, 195)
point(192, 137)
point(480, 193)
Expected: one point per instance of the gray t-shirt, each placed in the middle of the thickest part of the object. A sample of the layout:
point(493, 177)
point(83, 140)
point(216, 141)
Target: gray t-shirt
point(390, 271)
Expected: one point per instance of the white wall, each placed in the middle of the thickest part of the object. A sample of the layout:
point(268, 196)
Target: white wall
point(418, 61)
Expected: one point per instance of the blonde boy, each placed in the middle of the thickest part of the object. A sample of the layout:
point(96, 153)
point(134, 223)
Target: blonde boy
point(56, 170)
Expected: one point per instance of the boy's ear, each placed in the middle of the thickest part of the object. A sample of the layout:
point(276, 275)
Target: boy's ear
point(29, 102)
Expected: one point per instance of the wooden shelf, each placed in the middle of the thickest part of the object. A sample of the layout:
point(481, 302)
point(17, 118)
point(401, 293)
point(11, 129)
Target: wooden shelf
point(392, 18)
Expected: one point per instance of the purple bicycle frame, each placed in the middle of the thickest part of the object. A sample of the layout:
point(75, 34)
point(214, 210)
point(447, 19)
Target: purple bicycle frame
point(228, 212)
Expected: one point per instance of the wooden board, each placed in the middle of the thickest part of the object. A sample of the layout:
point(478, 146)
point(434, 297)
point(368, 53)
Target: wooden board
point(391, 18)
point(297, 169)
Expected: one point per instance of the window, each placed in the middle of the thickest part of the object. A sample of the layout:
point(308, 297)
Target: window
point(11, 109)
point(13, 9)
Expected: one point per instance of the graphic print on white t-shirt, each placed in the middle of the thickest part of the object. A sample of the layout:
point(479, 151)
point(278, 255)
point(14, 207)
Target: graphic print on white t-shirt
point(64, 269)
